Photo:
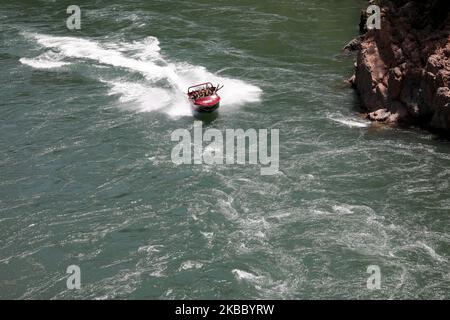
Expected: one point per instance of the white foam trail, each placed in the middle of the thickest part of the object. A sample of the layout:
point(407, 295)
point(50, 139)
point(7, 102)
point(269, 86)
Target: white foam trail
point(430, 251)
point(89, 49)
point(190, 265)
point(166, 82)
point(47, 60)
point(243, 275)
point(349, 122)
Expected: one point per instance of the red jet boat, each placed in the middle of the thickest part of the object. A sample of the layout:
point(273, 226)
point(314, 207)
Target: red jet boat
point(204, 97)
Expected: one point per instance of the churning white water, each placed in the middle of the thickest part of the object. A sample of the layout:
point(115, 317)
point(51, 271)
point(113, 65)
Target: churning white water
point(165, 81)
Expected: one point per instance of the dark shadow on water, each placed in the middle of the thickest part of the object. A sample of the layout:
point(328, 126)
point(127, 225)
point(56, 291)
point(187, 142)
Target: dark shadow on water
point(419, 127)
point(206, 118)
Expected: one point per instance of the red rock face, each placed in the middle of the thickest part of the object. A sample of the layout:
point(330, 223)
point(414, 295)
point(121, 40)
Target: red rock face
point(403, 70)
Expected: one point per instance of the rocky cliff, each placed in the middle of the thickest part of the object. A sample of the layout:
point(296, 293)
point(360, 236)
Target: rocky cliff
point(402, 71)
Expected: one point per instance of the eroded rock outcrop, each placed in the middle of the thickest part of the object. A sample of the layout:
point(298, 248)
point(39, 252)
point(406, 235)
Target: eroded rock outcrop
point(403, 70)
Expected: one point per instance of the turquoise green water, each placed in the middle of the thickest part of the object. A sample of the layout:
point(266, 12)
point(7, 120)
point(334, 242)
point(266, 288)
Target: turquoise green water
point(86, 176)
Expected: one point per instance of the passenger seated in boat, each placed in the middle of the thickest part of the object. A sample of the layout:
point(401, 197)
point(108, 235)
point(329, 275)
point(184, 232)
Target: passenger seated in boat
point(202, 93)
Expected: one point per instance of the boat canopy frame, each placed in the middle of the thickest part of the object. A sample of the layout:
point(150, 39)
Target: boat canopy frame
point(206, 85)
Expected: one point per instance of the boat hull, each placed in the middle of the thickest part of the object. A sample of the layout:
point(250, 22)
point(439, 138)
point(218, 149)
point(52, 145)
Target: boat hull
point(205, 109)
point(206, 105)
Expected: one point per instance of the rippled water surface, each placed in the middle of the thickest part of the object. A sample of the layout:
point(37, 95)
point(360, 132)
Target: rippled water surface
point(86, 176)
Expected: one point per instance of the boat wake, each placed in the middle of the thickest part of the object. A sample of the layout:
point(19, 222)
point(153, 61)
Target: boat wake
point(47, 60)
point(164, 82)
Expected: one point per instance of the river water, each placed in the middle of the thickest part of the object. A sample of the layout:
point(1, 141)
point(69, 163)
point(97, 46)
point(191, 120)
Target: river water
point(86, 176)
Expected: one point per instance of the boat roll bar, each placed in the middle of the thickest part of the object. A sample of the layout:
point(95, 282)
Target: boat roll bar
point(206, 84)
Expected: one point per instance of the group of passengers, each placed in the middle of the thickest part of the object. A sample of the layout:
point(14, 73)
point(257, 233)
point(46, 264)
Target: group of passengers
point(203, 93)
